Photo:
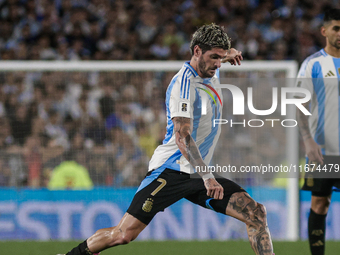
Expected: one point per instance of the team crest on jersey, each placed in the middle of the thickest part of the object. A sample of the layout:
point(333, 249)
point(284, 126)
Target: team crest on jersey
point(147, 206)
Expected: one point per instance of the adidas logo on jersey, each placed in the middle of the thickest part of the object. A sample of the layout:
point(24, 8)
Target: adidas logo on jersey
point(330, 73)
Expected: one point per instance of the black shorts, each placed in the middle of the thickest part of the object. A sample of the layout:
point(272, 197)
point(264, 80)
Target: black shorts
point(322, 187)
point(161, 189)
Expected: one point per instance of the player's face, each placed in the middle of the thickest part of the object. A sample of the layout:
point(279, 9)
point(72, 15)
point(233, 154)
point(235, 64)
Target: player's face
point(210, 61)
point(332, 33)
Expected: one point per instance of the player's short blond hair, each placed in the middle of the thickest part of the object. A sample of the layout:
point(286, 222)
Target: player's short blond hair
point(208, 37)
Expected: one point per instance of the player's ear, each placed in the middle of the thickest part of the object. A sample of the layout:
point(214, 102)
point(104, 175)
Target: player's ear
point(197, 51)
point(323, 31)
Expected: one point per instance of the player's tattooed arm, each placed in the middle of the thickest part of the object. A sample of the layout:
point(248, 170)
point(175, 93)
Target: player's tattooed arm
point(254, 215)
point(185, 142)
point(189, 149)
point(313, 150)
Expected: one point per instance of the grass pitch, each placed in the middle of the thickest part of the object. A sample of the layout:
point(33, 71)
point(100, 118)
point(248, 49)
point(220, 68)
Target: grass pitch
point(165, 248)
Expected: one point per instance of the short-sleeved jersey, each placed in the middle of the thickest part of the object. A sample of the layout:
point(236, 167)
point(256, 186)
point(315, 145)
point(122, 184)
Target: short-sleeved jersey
point(185, 97)
point(320, 74)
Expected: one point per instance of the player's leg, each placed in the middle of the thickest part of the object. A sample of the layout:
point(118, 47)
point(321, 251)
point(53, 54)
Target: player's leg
point(321, 189)
point(126, 231)
point(158, 190)
point(317, 222)
point(242, 207)
point(237, 203)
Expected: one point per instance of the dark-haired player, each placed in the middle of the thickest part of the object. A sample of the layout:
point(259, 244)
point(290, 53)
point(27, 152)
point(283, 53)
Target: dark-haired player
point(320, 74)
point(189, 144)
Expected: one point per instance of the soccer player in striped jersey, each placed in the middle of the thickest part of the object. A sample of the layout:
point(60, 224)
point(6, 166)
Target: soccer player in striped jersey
point(188, 146)
point(320, 74)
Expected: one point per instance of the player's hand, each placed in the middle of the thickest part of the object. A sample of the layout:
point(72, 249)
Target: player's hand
point(234, 57)
point(214, 189)
point(313, 151)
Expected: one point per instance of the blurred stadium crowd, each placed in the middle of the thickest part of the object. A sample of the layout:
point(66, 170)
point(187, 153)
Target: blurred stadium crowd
point(108, 124)
point(148, 29)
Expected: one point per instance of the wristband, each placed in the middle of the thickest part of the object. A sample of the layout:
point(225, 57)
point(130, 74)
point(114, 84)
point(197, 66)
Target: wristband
point(208, 176)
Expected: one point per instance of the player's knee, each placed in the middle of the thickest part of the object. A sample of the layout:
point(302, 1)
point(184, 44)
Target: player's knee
point(116, 237)
point(258, 216)
point(320, 205)
point(125, 237)
point(263, 212)
point(124, 240)
point(251, 214)
point(263, 209)
point(120, 239)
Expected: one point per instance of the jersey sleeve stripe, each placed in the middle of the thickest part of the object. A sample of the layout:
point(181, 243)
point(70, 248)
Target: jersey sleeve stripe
point(183, 83)
point(188, 90)
point(185, 87)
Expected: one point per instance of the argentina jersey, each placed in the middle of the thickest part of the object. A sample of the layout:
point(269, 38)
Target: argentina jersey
point(320, 74)
point(186, 95)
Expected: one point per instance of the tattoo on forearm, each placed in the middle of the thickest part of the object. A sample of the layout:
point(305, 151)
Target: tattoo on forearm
point(181, 122)
point(191, 151)
point(194, 155)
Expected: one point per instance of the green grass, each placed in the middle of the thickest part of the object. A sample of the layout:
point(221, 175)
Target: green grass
point(164, 248)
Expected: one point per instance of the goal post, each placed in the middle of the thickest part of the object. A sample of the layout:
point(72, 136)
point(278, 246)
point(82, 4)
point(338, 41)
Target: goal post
point(284, 69)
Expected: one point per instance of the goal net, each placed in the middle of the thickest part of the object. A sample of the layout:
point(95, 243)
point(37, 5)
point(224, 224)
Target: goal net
point(76, 139)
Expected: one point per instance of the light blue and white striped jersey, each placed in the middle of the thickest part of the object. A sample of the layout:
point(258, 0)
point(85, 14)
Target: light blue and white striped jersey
point(184, 99)
point(320, 74)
